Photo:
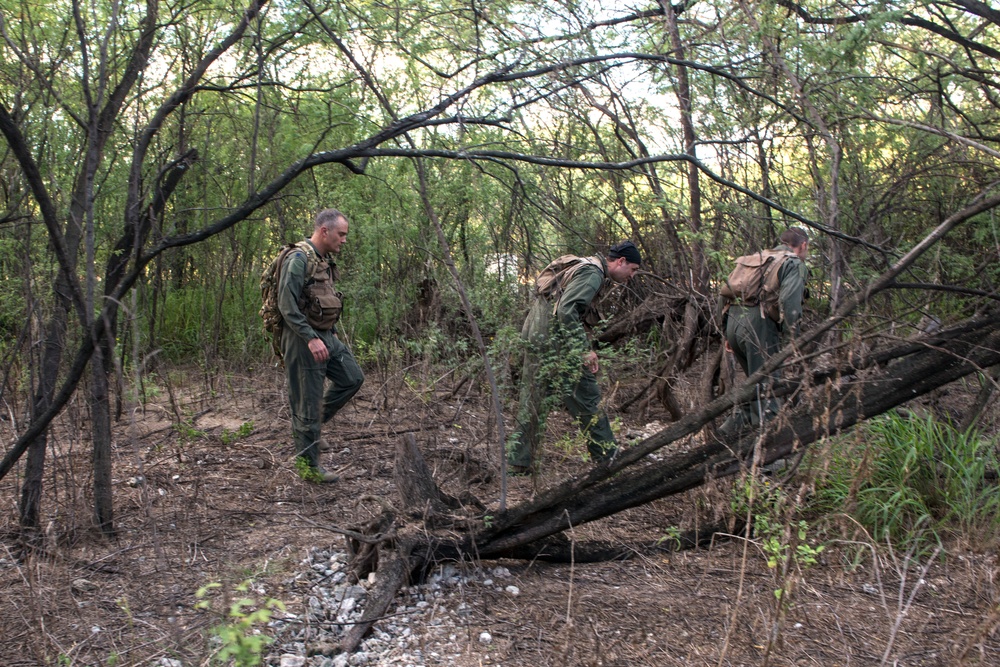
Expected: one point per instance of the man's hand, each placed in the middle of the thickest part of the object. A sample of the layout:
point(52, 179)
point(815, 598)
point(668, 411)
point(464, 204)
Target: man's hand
point(318, 348)
point(590, 362)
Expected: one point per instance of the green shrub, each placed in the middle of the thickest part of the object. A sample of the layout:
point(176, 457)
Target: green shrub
point(239, 632)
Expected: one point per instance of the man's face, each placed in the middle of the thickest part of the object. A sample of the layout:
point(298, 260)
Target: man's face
point(801, 250)
point(335, 235)
point(622, 270)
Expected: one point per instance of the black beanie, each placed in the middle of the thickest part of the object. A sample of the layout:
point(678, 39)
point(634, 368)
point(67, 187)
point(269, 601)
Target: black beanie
point(627, 250)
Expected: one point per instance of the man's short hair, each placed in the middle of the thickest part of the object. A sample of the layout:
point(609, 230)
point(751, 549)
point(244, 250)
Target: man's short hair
point(328, 217)
point(793, 237)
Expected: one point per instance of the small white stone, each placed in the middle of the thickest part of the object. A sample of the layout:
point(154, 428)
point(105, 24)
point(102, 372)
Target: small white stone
point(485, 638)
point(513, 590)
point(797, 626)
point(289, 660)
point(371, 577)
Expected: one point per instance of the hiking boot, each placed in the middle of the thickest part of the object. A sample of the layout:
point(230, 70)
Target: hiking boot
point(323, 445)
point(313, 473)
point(603, 452)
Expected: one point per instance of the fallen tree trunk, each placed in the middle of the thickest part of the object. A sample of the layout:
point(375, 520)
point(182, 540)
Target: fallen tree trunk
point(910, 370)
point(829, 401)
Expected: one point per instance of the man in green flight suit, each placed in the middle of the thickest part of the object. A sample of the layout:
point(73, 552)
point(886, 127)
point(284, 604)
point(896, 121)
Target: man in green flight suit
point(755, 328)
point(559, 361)
point(310, 346)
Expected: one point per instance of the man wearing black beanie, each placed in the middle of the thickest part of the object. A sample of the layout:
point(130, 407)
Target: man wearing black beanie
point(560, 364)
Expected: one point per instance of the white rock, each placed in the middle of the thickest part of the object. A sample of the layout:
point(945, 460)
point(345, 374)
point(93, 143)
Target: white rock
point(169, 662)
point(513, 590)
point(341, 660)
point(289, 660)
point(485, 638)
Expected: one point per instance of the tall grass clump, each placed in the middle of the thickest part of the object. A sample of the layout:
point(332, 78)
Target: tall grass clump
point(914, 481)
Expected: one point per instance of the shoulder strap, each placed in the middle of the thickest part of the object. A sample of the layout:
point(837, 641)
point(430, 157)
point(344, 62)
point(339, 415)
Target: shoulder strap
point(286, 250)
point(567, 274)
point(313, 260)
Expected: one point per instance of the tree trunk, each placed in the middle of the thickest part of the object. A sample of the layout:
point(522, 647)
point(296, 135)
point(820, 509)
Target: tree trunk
point(870, 387)
point(100, 416)
point(699, 277)
point(910, 371)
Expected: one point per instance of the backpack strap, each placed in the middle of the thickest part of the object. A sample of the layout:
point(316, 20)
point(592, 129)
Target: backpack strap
point(566, 275)
point(313, 260)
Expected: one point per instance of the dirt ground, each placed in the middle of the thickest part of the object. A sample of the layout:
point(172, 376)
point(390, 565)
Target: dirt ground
point(204, 503)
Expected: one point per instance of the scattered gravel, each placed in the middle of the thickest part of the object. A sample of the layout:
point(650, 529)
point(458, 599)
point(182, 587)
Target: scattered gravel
point(423, 629)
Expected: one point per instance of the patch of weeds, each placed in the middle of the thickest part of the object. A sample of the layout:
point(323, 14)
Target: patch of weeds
point(781, 536)
point(231, 437)
point(574, 444)
point(188, 432)
point(239, 632)
point(918, 480)
point(306, 471)
point(671, 538)
point(419, 389)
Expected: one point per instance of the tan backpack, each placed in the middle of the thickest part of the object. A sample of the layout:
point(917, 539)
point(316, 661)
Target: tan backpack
point(754, 281)
point(554, 277)
point(269, 312)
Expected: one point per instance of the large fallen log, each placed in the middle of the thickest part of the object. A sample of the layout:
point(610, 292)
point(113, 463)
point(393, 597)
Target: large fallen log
point(840, 397)
point(846, 395)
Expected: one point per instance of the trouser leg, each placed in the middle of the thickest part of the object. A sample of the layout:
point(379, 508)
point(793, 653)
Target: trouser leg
point(305, 391)
point(522, 446)
point(345, 378)
point(753, 338)
point(584, 404)
point(765, 341)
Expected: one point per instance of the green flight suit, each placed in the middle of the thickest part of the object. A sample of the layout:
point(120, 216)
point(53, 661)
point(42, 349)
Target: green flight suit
point(309, 405)
point(754, 337)
point(553, 371)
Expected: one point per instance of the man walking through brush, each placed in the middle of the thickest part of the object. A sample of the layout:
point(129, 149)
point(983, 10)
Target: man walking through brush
point(560, 364)
point(310, 347)
point(760, 305)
